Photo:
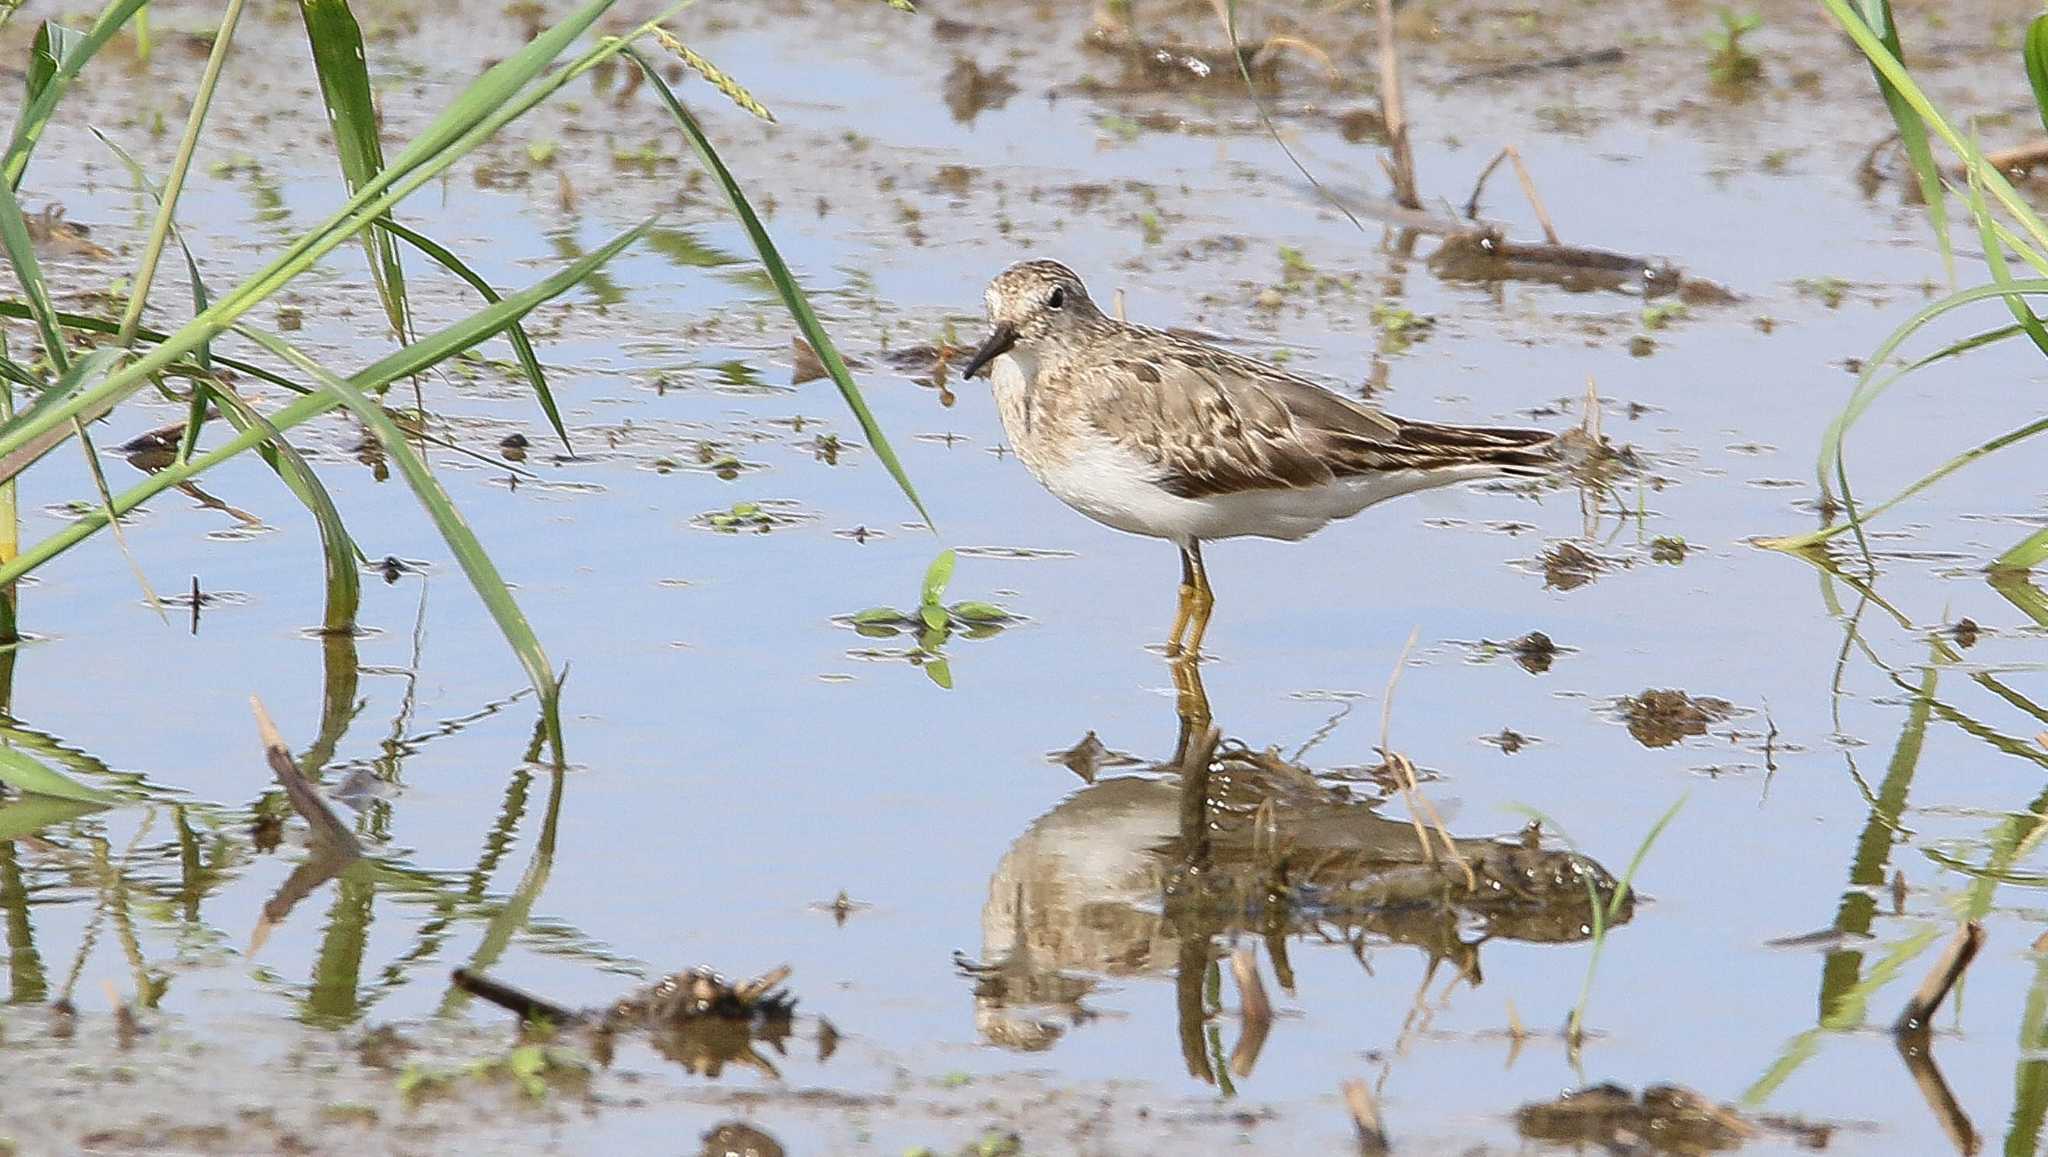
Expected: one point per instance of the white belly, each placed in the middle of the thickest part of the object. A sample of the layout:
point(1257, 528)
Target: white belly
point(1115, 487)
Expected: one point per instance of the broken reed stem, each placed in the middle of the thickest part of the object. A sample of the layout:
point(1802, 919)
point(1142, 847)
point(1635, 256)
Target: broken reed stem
point(1255, 1010)
point(523, 1004)
point(299, 790)
point(1365, 1116)
point(1402, 168)
point(1528, 183)
point(1535, 199)
point(1251, 990)
point(2031, 155)
point(1918, 1014)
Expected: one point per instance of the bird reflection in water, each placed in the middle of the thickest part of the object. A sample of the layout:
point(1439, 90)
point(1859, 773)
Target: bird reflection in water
point(1160, 871)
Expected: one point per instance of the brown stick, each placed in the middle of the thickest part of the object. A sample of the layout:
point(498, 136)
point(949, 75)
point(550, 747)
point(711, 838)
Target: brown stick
point(305, 798)
point(1919, 1011)
point(1253, 1006)
point(1365, 1116)
point(1528, 183)
point(1402, 168)
point(2027, 156)
point(526, 1005)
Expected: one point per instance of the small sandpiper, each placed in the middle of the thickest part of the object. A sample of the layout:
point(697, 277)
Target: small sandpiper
point(1161, 435)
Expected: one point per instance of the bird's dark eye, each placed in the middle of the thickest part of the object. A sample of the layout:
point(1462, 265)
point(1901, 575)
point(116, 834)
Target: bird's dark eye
point(1057, 298)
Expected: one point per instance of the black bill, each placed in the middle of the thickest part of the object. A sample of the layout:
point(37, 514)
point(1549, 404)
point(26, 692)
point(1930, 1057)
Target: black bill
point(996, 346)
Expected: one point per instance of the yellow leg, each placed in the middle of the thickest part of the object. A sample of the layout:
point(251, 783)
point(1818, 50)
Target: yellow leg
point(1186, 609)
point(1202, 600)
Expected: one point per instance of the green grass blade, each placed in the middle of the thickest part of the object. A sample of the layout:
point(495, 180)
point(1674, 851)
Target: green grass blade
point(21, 253)
point(51, 43)
point(1994, 256)
point(181, 164)
point(474, 118)
point(87, 323)
point(2035, 52)
point(462, 542)
point(429, 350)
point(28, 775)
point(1626, 884)
point(71, 55)
point(2029, 553)
point(202, 392)
point(522, 346)
point(1873, 381)
point(1877, 16)
point(494, 88)
point(337, 550)
point(786, 287)
point(2010, 437)
point(19, 375)
point(149, 188)
point(341, 64)
point(1888, 66)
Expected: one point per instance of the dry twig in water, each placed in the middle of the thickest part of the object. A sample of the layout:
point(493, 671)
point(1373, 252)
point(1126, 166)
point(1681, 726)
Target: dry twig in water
point(1365, 1116)
point(305, 798)
point(1511, 153)
point(1253, 1006)
point(1402, 168)
point(1919, 1011)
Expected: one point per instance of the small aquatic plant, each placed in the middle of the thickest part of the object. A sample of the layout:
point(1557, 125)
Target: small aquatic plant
point(935, 620)
point(1729, 64)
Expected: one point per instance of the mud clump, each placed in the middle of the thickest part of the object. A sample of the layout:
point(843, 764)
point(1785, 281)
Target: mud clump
point(1569, 566)
point(1665, 1119)
point(970, 91)
point(1534, 652)
point(696, 1018)
point(1662, 718)
point(738, 1139)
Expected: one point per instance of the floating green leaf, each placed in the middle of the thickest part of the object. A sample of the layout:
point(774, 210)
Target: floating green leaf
point(938, 576)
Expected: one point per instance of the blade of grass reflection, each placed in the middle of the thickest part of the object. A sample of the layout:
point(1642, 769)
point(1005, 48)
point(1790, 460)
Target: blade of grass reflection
point(193, 878)
point(28, 984)
point(1841, 969)
point(2016, 588)
point(340, 675)
point(334, 1001)
point(2030, 1076)
point(1848, 1013)
point(519, 907)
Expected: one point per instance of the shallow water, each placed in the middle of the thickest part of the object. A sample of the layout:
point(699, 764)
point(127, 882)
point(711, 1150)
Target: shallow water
point(740, 756)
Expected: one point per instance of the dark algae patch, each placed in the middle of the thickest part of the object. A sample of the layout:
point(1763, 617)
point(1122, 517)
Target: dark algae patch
point(1660, 718)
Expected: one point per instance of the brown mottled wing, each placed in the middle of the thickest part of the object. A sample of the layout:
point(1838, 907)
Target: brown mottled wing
point(1215, 423)
point(1207, 429)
